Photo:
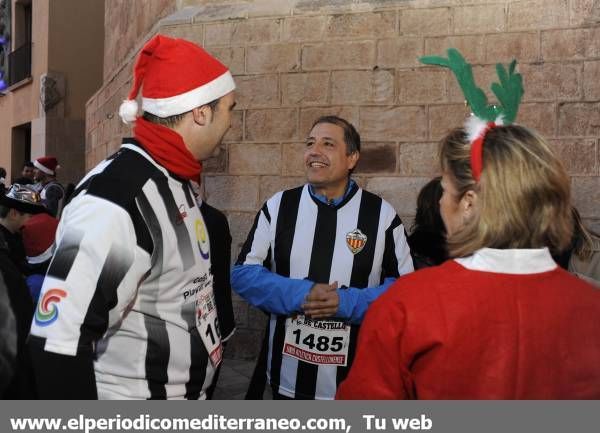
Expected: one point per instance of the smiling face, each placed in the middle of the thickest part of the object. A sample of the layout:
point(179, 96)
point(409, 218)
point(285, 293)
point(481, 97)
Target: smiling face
point(327, 161)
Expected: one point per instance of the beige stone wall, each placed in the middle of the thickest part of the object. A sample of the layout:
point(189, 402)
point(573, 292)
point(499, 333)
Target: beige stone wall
point(75, 48)
point(75, 44)
point(297, 59)
point(126, 21)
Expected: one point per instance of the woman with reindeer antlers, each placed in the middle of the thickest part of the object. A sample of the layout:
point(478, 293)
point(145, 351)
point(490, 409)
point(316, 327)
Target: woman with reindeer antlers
point(501, 320)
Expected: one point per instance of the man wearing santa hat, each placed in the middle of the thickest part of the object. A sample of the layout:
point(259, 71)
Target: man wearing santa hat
point(127, 309)
point(51, 191)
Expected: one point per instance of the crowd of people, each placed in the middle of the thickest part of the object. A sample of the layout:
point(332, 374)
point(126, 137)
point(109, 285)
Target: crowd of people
point(125, 292)
point(29, 212)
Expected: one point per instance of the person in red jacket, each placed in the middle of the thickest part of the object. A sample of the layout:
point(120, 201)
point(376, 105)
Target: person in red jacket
point(501, 320)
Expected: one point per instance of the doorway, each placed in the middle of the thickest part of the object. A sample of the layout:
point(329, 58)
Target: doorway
point(20, 149)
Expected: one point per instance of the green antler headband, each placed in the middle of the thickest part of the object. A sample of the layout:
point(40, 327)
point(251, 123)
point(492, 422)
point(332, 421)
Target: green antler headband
point(508, 91)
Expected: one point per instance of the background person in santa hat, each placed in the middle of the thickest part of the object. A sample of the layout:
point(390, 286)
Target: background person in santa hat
point(38, 233)
point(51, 191)
point(127, 309)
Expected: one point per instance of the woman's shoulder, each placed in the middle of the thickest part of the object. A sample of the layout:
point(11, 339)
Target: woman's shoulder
point(428, 279)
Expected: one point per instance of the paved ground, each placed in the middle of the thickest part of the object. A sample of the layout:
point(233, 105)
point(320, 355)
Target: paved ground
point(234, 379)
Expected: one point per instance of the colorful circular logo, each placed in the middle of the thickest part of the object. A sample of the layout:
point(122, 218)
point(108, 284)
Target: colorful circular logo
point(202, 239)
point(47, 310)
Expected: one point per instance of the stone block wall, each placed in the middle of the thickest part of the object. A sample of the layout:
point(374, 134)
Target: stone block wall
point(295, 60)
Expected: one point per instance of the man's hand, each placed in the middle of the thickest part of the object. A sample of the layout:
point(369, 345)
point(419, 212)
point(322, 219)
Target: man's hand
point(322, 301)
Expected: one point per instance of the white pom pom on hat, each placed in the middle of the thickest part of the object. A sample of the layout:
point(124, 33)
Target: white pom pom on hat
point(177, 76)
point(128, 110)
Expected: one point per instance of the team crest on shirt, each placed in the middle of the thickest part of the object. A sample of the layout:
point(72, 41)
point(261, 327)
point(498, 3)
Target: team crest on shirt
point(356, 241)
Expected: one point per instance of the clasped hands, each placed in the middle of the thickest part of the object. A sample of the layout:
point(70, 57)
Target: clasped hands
point(322, 301)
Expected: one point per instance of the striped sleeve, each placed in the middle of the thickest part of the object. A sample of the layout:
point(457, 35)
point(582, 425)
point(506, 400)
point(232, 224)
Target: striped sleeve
point(396, 256)
point(252, 277)
point(257, 248)
point(90, 275)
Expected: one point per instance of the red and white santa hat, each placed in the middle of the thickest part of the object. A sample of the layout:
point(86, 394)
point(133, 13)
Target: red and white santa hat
point(175, 76)
point(47, 164)
point(38, 234)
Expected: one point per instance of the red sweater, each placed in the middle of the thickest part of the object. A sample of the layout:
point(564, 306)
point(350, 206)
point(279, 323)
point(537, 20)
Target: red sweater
point(449, 332)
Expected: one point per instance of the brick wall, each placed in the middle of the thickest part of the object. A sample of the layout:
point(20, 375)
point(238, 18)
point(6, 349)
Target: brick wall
point(126, 21)
point(297, 59)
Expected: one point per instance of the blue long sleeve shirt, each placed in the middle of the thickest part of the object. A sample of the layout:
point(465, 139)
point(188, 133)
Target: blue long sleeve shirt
point(281, 295)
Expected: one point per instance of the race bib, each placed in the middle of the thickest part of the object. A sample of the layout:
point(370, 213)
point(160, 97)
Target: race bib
point(207, 323)
point(320, 342)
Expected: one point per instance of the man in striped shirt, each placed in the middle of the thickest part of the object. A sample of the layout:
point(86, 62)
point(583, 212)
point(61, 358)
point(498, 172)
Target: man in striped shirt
point(315, 258)
point(127, 309)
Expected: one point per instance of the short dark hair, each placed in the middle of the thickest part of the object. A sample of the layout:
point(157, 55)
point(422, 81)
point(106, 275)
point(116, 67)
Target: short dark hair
point(169, 122)
point(172, 121)
point(351, 136)
point(2, 172)
point(28, 164)
point(213, 104)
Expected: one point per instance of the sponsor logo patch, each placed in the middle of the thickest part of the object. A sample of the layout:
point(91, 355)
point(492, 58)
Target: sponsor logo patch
point(202, 239)
point(47, 309)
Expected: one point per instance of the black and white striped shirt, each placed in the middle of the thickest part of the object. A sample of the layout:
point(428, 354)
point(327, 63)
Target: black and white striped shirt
point(301, 241)
point(132, 253)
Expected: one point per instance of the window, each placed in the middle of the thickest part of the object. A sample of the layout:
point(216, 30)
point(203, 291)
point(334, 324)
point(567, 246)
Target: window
point(20, 148)
point(5, 18)
point(19, 60)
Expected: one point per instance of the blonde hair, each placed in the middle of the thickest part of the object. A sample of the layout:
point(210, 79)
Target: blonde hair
point(523, 196)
